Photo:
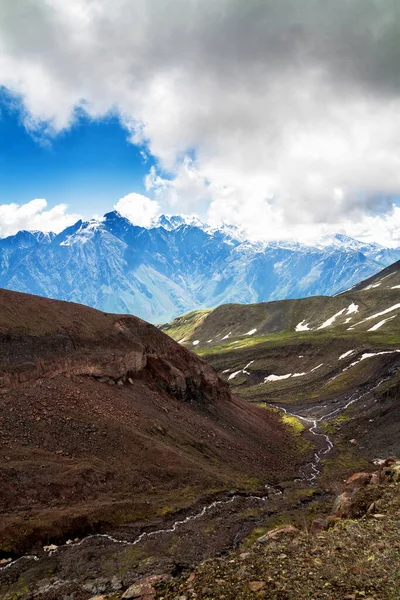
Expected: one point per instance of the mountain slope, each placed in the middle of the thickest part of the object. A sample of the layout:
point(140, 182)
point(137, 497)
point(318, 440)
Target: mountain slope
point(105, 420)
point(314, 356)
point(175, 266)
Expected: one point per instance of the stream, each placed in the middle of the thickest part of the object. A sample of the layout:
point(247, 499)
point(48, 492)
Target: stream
point(309, 473)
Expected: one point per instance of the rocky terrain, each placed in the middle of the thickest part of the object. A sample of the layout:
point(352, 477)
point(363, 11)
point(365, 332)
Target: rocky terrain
point(127, 461)
point(107, 426)
point(353, 554)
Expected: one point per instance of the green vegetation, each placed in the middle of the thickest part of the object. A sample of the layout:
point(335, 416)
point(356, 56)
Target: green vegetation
point(184, 327)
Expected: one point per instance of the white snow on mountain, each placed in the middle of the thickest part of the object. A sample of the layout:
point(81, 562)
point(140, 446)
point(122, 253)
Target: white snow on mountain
point(179, 264)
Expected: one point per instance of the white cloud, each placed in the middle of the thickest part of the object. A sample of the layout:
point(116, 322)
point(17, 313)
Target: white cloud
point(290, 108)
point(34, 216)
point(139, 209)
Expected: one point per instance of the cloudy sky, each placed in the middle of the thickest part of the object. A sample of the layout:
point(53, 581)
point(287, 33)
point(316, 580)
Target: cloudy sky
point(282, 117)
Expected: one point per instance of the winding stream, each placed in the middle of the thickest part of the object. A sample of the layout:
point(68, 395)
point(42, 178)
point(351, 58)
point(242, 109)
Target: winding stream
point(308, 473)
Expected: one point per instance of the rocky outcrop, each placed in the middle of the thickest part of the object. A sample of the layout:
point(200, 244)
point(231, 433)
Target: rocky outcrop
point(362, 490)
point(42, 338)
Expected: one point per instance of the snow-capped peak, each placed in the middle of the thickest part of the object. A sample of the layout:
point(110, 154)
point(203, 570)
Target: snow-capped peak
point(85, 231)
point(339, 240)
point(171, 222)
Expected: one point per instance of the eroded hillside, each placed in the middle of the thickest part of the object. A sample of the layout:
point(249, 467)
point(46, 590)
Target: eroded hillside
point(108, 424)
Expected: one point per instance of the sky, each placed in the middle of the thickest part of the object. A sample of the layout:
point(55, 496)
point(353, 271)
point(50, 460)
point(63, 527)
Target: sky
point(280, 117)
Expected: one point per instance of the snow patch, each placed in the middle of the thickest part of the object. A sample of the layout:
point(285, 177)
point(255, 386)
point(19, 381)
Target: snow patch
point(342, 356)
point(251, 332)
point(369, 355)
point(244, 371)
point(277, 377)
point(182, 340)
point(378, 325)
point(353, 308)
point(196, 342)
point(232, 375)
point(395, 287)
point(227, 335)
point(376, 315)
point(371, 286)
point(302, 326)
point(330, 321)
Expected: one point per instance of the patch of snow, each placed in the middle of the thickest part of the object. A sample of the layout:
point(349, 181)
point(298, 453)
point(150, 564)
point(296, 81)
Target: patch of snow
point(376, 315)
point(370, 355)
point(248, 364)
point(182, 340)
point(226, 371)
point(342, 356)
point(371, 286)
point(251, 332)
point(302, 326)
point(287, 376)
point(353, 308)
point(330, 321)
point(196, 342)
point(301, 356)
point(348, 320)
point(241, 371)
point(209, 341)
point(386, 276)
point(232, 375)
point(227, 335)
point(277, 377)
point(378, 325)
point(395, 287)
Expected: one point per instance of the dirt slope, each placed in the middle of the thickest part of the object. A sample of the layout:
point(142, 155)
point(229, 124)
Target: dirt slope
point(105, 420)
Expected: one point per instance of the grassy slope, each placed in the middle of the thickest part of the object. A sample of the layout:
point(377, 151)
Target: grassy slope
point(276, 348)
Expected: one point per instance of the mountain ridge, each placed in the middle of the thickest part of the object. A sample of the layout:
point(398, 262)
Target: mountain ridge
point(175, 266)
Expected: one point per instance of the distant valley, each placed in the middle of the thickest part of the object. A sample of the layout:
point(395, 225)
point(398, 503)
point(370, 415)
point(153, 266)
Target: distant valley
point(334, 359)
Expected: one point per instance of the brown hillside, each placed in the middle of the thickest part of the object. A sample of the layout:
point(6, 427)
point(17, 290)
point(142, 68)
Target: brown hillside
point(105, 420)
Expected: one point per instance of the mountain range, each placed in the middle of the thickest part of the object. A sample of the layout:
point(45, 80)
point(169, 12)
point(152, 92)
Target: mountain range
point(177, 265)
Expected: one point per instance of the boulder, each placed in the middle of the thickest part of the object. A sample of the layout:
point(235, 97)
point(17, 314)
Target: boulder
point(144, 589)
point(255, 586)
point(318, 525)
point(50, 548)
point(278, 533)
point(343, 505)
point(357, 481)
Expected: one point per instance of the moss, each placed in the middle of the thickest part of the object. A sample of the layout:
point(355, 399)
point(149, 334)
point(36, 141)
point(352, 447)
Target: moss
point(294, 423)
point(185, 325)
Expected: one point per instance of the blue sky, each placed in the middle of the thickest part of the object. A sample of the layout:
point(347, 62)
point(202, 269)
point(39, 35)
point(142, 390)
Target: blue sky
point(89, 166)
